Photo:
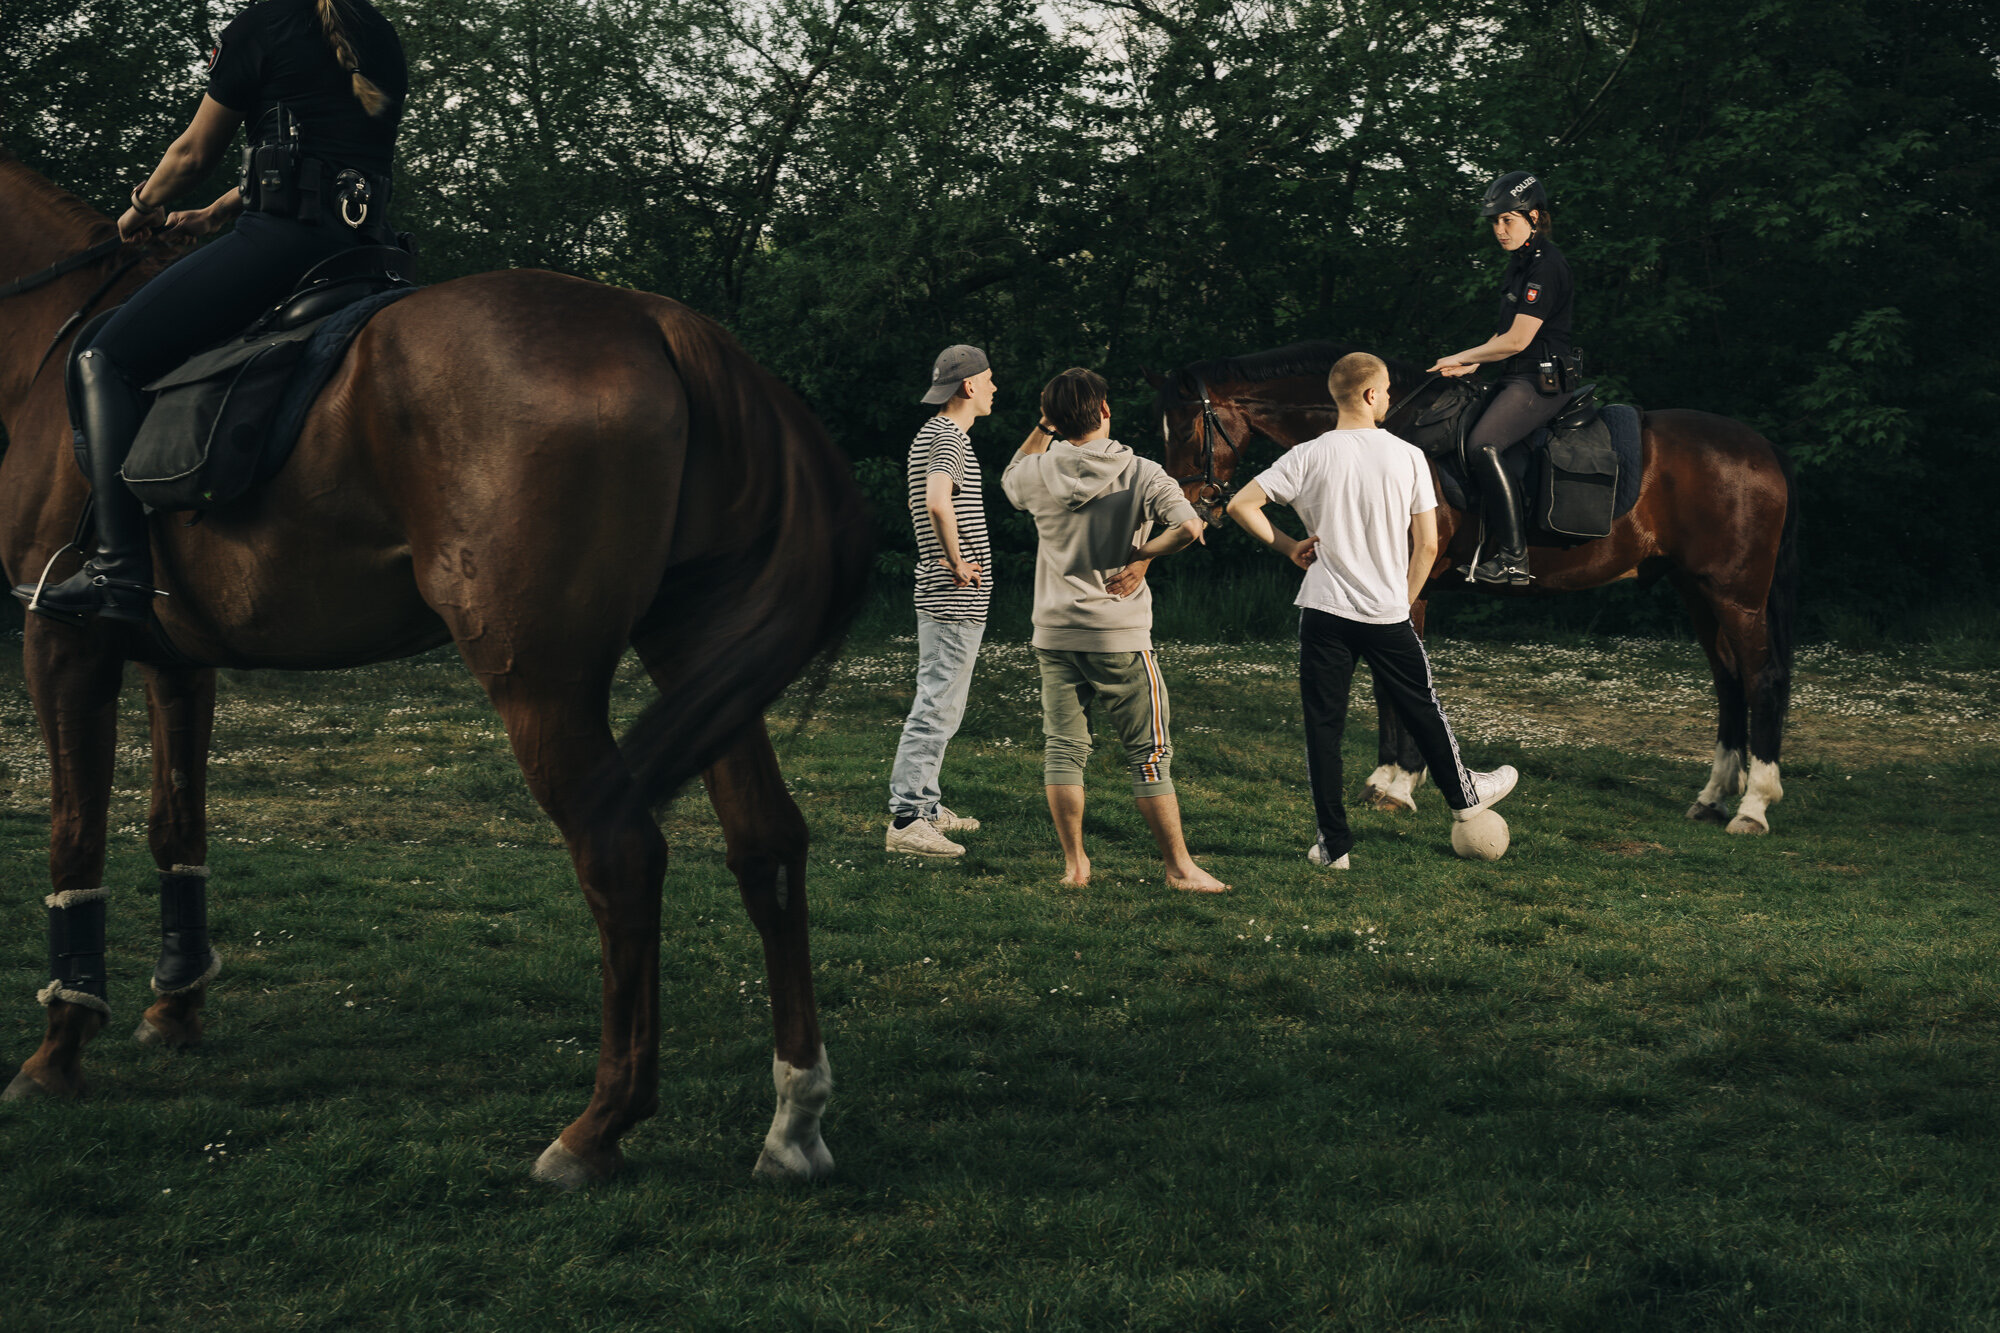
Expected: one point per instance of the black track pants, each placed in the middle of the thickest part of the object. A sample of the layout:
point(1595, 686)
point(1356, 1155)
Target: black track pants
point(1328, 649)
point(216, 291)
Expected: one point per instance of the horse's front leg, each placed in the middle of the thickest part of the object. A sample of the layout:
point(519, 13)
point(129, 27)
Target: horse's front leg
point(1399, 764)
point(766, 837)
point(182, 705)
point(73, 679)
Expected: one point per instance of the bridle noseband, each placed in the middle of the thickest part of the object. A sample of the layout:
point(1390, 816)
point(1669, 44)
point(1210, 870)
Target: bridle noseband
point(1212, 491)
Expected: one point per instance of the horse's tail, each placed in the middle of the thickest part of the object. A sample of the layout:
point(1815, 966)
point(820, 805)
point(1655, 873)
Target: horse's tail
point(1781, 606)
point(731, 628)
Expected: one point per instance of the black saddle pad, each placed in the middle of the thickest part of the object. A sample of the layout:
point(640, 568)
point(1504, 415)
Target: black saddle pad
point(229, 417)
point(1524, 463)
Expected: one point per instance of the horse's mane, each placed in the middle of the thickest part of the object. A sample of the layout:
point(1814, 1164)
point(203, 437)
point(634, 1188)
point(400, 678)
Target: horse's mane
point(1293, 360)
point(17, 181)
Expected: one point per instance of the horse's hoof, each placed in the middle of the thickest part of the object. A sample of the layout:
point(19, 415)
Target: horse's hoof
point(1703, 813)
point(1390, 804)
point(171, 1036)
point(25, 1088)
point(1745, 824)
point(784, 1162)
point(565, 1170)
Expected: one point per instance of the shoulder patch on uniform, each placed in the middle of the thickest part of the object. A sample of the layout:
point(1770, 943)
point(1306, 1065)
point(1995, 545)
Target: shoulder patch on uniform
point(1534, 292)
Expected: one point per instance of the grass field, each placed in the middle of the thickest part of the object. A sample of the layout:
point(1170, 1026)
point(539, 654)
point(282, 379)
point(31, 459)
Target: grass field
point(1635, 1075)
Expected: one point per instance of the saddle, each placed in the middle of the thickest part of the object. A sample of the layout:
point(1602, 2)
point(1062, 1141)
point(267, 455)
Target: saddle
point(1579, 474)
point(228, 417)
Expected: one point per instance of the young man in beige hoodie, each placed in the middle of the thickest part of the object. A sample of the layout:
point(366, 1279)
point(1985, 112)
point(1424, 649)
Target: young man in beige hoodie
point(1095, 503)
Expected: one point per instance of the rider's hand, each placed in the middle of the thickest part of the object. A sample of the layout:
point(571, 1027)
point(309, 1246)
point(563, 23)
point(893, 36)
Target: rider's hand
point(1451, 367)
point(191, 225)
point(1306, 552)
point(1127, 580)
point(133, 226)
point(964, 573)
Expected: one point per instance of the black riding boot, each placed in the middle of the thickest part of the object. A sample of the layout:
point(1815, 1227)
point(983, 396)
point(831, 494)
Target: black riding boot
point(117, 582)
point(1509, 561)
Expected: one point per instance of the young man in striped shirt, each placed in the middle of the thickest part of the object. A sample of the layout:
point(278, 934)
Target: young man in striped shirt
point(954, 585)
point(1094, 503)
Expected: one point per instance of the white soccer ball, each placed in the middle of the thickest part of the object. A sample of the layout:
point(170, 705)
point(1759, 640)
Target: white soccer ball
point(1483, 837)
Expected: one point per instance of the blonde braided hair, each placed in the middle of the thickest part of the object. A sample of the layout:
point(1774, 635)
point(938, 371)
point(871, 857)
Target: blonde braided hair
point(373, 100)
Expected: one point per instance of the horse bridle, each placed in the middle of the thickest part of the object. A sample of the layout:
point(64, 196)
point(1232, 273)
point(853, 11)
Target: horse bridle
point(63, 268)
point(1212, 491)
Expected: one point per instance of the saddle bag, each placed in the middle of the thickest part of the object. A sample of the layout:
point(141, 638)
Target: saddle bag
point(1578, 495)
point(201, 443)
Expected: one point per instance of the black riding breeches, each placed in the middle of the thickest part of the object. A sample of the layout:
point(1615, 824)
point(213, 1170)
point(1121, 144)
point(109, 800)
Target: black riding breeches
point(1516, 408)
point(216, 291)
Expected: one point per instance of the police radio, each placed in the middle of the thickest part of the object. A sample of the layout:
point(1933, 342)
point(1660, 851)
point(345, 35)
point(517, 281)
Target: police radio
point(271, 164)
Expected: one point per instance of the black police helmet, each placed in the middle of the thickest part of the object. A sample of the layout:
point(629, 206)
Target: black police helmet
point(1515, 192)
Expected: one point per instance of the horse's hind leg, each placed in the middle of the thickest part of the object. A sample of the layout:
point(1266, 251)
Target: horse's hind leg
point(766, 837)
point(1732, 732)
point(182, 704)
point(74, 683)
point(561, 734)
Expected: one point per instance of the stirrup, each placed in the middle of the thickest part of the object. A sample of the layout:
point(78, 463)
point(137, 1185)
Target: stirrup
point(1503, 570)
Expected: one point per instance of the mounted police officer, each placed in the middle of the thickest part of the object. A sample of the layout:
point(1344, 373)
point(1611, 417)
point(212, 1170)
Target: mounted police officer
point(321, 85)
point(1531, 341)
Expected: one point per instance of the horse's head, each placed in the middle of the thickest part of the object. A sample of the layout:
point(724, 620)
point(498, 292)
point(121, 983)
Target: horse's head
point(1203, 432)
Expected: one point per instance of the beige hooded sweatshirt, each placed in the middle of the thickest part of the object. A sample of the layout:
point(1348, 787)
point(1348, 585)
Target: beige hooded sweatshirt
point(1091, 504)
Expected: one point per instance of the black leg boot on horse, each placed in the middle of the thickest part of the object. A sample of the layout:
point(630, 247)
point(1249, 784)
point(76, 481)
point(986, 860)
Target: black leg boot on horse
point(117, 582)
point(1502, 511)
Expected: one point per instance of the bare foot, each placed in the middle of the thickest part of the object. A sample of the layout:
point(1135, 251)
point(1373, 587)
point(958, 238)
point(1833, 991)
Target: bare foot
point(1196, 880)
point(1077, 875)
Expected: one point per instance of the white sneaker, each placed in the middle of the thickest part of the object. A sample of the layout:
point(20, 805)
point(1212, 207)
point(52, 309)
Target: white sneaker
point(920, 837)
point(1488, 789)
point(1317, 855)
point(947, 822)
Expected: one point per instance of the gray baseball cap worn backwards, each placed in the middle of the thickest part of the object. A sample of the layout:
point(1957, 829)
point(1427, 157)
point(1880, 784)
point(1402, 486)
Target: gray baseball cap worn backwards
point(954, 364)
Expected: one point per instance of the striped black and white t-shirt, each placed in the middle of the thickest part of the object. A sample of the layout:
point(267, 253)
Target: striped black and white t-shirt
point(942, 447)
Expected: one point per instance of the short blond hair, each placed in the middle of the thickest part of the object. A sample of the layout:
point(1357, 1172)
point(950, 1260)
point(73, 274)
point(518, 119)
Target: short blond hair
point(1351, 374)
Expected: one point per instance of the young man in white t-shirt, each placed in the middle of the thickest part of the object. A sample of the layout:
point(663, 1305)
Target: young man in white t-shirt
point(1368, 506)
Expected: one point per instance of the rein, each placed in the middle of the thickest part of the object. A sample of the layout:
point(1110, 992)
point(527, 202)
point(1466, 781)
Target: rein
point(63, 268)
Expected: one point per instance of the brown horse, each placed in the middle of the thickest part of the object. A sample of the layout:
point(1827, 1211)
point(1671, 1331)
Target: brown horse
point(542, 471)
point(1717, 513)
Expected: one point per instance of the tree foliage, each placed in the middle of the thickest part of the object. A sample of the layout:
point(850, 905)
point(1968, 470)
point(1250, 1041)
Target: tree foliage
point(1777, 210)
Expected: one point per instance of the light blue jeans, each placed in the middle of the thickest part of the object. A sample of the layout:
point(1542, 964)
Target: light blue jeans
point(945, 653)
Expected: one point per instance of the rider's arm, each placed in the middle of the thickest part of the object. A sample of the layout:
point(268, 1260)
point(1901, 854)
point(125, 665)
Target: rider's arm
point(193, 155)
point(1423, 549)
point(1520, 335)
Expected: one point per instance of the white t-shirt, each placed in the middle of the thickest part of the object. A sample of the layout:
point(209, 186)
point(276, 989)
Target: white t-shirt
point(1357, 491)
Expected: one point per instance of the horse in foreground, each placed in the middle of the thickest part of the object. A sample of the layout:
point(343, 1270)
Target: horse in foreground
point(1717, 513)
point(540, 470)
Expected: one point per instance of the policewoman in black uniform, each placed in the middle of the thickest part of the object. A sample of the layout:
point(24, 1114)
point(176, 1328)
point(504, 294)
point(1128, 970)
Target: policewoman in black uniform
point(320, 83)
point(1531, 341)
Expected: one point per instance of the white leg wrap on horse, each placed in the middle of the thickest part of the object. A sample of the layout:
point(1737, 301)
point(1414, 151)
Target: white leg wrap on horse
point(793, 1149)
point(76, 897)
point(1725, 777)
point(1763, 791)
point(1394, 785)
